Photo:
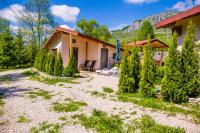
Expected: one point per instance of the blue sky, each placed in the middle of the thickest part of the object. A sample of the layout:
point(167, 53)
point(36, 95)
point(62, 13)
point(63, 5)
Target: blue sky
point(113, 13)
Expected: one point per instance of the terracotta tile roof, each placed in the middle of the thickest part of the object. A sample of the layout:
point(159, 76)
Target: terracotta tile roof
point(75, 33)
point(182, 15)
point(154, 42)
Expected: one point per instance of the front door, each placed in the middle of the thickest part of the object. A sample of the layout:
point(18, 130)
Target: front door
point(104, 58)
point(76, 55)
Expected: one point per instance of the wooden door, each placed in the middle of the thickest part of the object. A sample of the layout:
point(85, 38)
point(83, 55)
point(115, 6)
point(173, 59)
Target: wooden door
point(104, 58)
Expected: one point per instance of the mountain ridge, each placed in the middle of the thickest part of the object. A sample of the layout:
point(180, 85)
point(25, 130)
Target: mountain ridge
point(155, 18)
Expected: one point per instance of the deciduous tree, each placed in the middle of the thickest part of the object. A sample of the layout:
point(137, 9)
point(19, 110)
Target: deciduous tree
point(93, 29)
point(38, 18)
point(7, 49)
point(145, 30)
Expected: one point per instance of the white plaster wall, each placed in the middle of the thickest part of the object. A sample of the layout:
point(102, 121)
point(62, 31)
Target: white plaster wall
point(184, 24)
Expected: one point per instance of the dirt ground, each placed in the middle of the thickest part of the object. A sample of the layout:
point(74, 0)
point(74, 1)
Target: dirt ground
point(38, 109)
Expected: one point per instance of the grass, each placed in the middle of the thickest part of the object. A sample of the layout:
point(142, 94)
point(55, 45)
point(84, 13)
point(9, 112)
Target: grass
point(34, 75)
point(5, 69)
point(39, 93)
point(1, 104)
point(107, 90)
point(53, 80)
point(146, 124)
point(30, 73)
point(5, 79)
point(158, 104)
point(46, 127)
point(96, 93)
point(63, 118)
point(67, 106)
point(101, 122)
point(23, 119)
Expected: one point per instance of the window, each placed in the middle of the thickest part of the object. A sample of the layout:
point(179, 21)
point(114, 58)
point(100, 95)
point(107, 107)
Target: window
point(114, 55)
point(178, 30)
point(73, 40)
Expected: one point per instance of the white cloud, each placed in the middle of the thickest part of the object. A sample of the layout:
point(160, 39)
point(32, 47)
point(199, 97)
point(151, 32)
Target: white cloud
point(12, 12)
point(139, 1)
point(65, 26)
point(197, 2)
point(185, 5)
point(66, 13)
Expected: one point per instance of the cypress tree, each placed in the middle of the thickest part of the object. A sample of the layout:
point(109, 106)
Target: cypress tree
point(42, 54)
point(45, 56)
point(190, 63)
point(172, 82)
point(134, 68)
point(125, 82)
point(71, 70)
point(147, 81)
point(36, 60)
point(51, 64)
point(47, 63)
point(58, 68)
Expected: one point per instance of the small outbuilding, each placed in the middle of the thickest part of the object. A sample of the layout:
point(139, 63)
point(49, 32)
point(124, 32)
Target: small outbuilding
point(179, 23)
point(85, 48)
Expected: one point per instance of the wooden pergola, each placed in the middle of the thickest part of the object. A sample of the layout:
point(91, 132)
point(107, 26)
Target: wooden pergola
point(156, 45)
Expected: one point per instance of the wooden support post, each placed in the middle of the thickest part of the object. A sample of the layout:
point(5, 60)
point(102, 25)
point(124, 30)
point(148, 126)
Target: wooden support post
point(70, 43)
point(161, 58)
point(86, 50)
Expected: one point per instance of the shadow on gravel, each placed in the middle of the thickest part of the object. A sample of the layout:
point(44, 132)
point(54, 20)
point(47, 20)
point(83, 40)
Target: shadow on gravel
point(11, 77)
point(12, 91)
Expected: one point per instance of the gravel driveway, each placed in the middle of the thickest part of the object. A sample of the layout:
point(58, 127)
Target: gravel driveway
point(39, 110)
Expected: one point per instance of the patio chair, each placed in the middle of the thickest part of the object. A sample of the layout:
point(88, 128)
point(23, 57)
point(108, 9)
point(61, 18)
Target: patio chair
point(90, 66)
point(86, 63)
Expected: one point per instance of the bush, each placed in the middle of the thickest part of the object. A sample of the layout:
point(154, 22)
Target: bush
point(147, 78)
point(58, 68)
point(71, 70)
point(171, 87)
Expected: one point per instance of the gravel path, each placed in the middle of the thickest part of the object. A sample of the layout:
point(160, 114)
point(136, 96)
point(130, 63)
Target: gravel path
point(39, 110)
